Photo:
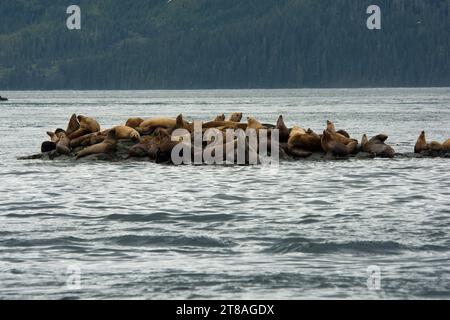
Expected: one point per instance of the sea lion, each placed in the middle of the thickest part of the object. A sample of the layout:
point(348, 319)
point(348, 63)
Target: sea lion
point(342, 138)
point(53, 137)
point(343, 133)
point(252, 123)
point(146, 147)
point(376, 146)
point(446, 145)
point(308, 141)
point(282, 129)
point(63, 144)
point(89, 139)
point(134, 122)
point(331, 146)
point(107, 146)
point(224, 125)
point(330, 127)
point(73, 125)
point(421, 143)
point(125, 132)
point(158, 122)
point(236, 117)
point(182, 124)
point(87, 125)
point(220, 118)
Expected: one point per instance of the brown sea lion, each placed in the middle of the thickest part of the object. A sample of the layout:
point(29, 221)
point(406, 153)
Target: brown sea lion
point(236, 117)
point(282, 129)
point(220, 118)
point(446, 145)
point(331, 146)
point(182, 124)
point(63, 145)
point(107, 146)
point(134, 122)
point(87, 125)
point(421, 143)
point(343, 133)
point(125, 132)
point(377, 147)
point(73, 125)
point(146, 147)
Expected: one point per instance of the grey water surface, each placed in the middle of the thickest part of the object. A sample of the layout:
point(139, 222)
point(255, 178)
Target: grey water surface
point(304, 230)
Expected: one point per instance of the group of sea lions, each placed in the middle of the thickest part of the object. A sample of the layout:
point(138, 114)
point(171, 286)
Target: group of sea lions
point(153, 138)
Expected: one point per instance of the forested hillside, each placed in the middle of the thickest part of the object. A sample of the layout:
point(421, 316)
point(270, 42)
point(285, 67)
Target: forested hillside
point(147, 44)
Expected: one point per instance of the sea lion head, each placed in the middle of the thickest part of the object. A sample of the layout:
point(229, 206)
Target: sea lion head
point(364, 140)
point(381, 138)
point(80, 118)
point(53, 137)
point(220, 117)
point(236, 117)
point(331, 127)
point(343, 133)
point(60, 132)
point(134, 122)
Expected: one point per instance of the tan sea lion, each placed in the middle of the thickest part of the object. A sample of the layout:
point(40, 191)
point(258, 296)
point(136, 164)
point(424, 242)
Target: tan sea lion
point(134, 122)
point(220, 118)
point(342, 138)
point(330, 127)
point(53, 137)
point(159, 122)
point(107, 146)
point(89, 139)
point(125, 132)
point(376, 146)
point(309, 141)
point(252, 123)
point(63, 145)
point(421, 143)
point(87, 125)
point(236, 117)
point(73, 125)
point(282, 129)
point(334, 147)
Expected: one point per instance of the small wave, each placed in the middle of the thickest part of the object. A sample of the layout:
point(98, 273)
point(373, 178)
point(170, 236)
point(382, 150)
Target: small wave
point(61, 241)
point(382, 247)
point(196, 241)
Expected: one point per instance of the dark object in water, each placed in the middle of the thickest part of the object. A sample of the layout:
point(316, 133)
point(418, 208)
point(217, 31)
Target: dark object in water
point(48, 146)
point(3, 98)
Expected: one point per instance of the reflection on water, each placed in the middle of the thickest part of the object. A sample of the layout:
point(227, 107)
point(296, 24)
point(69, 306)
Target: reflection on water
point(308, 229)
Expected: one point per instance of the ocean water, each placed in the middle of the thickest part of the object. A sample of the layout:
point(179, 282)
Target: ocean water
point(316, 229)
